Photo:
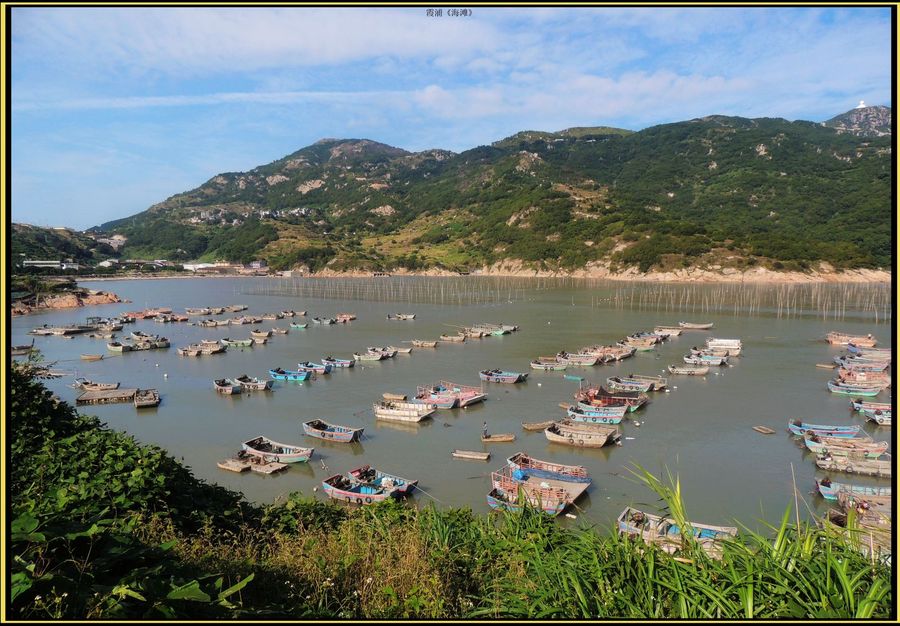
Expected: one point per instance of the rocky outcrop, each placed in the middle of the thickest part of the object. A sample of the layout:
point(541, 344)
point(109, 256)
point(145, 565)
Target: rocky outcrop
point(863, 122)
point(70, 300)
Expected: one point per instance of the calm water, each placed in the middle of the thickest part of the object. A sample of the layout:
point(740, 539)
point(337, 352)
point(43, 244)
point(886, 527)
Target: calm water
point(700, 430)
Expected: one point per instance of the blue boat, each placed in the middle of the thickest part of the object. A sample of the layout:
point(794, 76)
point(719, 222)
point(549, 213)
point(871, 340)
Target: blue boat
point(580, 415)
point(280, 374)
point(800, 428)
point(334, 363)
point(601, 411)
point(830, 490)
point(525, 465)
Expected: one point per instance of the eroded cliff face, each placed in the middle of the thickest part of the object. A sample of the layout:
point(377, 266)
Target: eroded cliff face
point(66, 301)
point(874, 121)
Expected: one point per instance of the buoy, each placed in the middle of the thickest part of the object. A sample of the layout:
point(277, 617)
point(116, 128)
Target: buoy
point(668, 390)
point(675, 387)
point(157, 365)
point(315, 488)
point(539, 384)
point(637, 423)
point(165, 375)
point(548, 323)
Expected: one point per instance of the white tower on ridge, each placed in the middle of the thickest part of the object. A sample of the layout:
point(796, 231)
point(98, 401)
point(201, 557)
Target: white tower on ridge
point(861, 105)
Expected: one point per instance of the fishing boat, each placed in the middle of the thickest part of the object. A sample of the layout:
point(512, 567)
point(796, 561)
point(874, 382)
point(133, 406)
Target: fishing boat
point(236, 308)
point(388, 353)
point(397, 397)
point(552, 501)
point(345, 317)
point(471, 454)
point(272, 451)
point(368, 356)
point(694, 326)
point(216, 310)
point(705, 359)
point(260, 334)
point(295, 325)
point(240, 343)
point(331, 432)
point(453, 338)
point(248, 383)
point(191, 350)
point(499, 376)
point(579, 414)
point(397, 350)
point(226, 387)
point(324, 320)
point(856, 377)
point(801, 428)
point(318, 368)
point(279, 331)
point(830, 490)
point(498, 438)
point(402, 411)
point(91, 357)
point(281, 374)
point(210, 346)
point(670, 330)
point(618, 383)
point(528, 465)
point(764, 430)
point(861, 365)
point(841, 446)
point(472, 333)
point(853, 390)
point(260, 340)
point(697, 370)
point(144, 398)
point(403, 317)
point(599, 396)
point(842, 339)
point(272, 316)
point(366, 485)
point(581, 359)
point(535, 426)
point(548, 364)
point(434, 395)
point(641, 344)
point(880, 418)
point(22, 350)
point(89, 385)
point(695, 351)
point(197, 311)
point(861, 405)
point(336, 363)
point(666, 534)
point(869, 467)
point(579, 438)
point(466, 394)
point(116, 346)
point(419, 343)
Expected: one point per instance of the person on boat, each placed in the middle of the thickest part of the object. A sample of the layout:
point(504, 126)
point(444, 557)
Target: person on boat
point(825, 482)
point(484, 431)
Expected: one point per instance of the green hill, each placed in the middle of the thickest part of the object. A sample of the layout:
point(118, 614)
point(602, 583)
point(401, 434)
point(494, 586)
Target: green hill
point(718, 190)
point(34, 242)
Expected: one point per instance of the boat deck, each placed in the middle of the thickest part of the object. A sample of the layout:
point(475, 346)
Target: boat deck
point(242, 465)
point(106, 396)
point(573, 489)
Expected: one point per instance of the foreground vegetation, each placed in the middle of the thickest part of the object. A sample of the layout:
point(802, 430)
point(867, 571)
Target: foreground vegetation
point(104, 527)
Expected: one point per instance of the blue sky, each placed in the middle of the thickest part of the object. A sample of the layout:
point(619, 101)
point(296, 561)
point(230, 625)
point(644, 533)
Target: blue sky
point(116, 109)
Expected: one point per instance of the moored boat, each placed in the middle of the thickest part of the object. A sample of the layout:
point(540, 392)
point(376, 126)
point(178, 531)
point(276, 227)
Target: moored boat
point(695, 326)
point(252, 383)
point(535, 426)
point(146, 398)
point(579, 438)
point(499, 376)
point(91, 357)
point(420, 343)
point(402, 411)
point(334, 363)
point(282, 374)
point(368, 356)
point(89, 385)
point(116, 346)
point(453, 338)
point(801, 428)
point(841, 446)
point(548, 364)
point(869, 467)
point(240, 343)
point(830, 490)
point(665, 533)
point(581, 414)
point(471, 454)
point(301, 326)
point(695, 370)
point(528, 465)
point(842, 339)
point(318, 368)
point(498, 438)
point(226, 387)
point(853, 390)
point(331, 432)
point(271, 450)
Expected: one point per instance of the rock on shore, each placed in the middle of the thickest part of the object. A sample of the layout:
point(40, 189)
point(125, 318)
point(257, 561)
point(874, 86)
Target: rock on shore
point(82, 297)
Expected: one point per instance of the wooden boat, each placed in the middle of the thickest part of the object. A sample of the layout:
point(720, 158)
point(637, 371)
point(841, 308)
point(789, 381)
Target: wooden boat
point(472, 333)
point(580, 359)
point(617, 383)
point(295, 325)
point(528, 465)
point(91, 357)
point(399, 397)
point(466, 394)
point(370, 476)
point(470, 454)
point(434, 396)
point(236, 308)
point(272, 316)
point(694, 326)
point(226, 387)
point(402, 411)
point(765, 430)
point(335, 363)
point(580, 414)
point(853, 348)
point(368, 356)
point(331, 432)
point(859, 365)
point(853, 390)
point(22, 350)
point(271, 450)
point(241, 343)
point(842, 339)
point(670, 330)
point(191, 350)
point(870, 467)
point(260, 340)
point(535, 426)
point(583, 439)
point(324, 320)
point(548, 364)
point(879, 417)
point(210, 346)
point(665, 533)
point(396, 350)
point(419, 343)
point(498, 438)
point(281, 374)
point(838, 446)
point(553, 502)
point(146, 398)
point(366, 485)
point(830, 490)
point(260, 334)
point(318, 368)
point(801, 428)
point(89, 385)
point(252, 384)
point(599, 396)
point(860, 405)
point(695, 351)
point(453, 338)
point(345, 317)
point(499, 376)
point(696, 370)
point(116, 346)
point(403, 317)
point(279, 331)
point(705, 359)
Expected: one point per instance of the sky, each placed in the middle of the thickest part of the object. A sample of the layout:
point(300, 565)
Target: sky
point(116, 109)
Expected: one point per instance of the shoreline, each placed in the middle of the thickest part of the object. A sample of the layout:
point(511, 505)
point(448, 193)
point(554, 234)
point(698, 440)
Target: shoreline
point(687, 277)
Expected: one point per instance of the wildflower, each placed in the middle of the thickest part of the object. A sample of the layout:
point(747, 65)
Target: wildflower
point(369, 580)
